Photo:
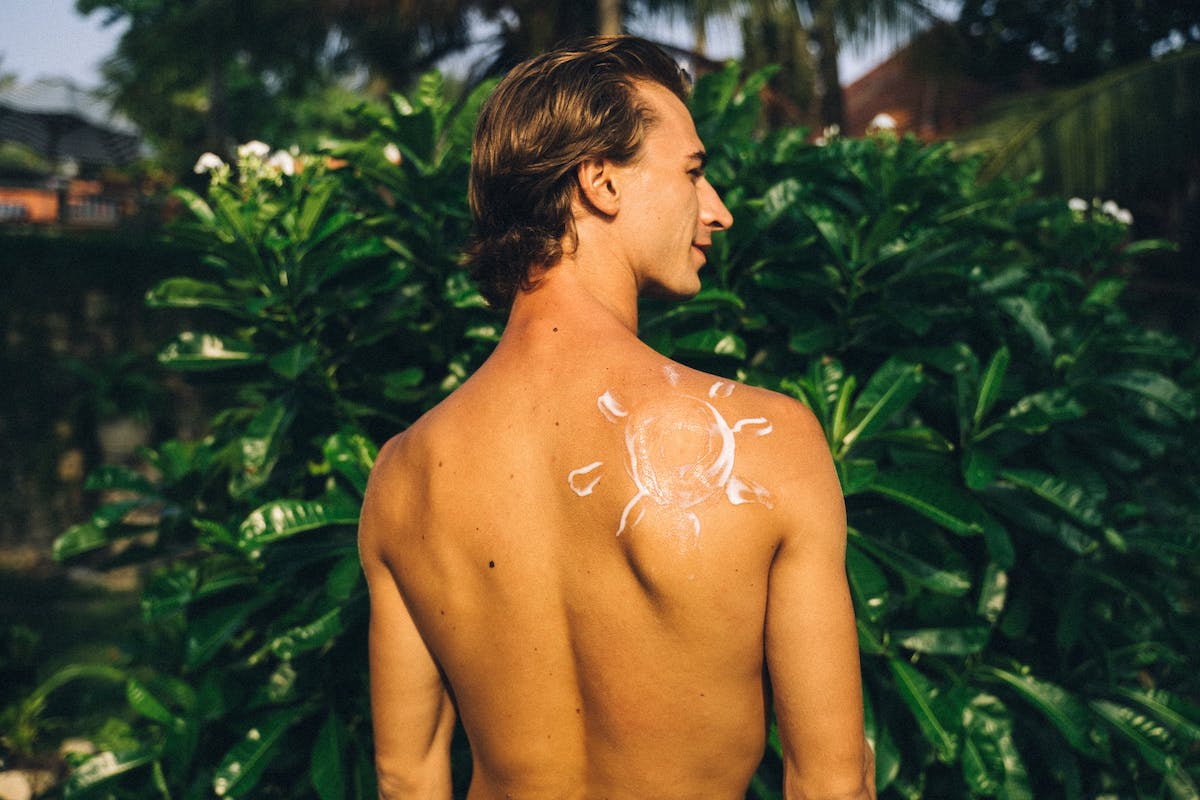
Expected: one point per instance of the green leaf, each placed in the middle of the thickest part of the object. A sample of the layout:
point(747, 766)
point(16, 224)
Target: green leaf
point(989, 387)
point(223, 573)
point(1064, 495)
point(890, 390)
point(344, 577)
point(103, 768)
point(979, 468)
point(110, 477)
point(281, 519)
point(1065, 711)
point(351, 455)
point(1106, 292)
point(762, 790)
point(312, 207)
point(195, 204)
point(867, 584)
point(928, 707)
point(1181, 717)
point(208, 351)
point(993, 592)
point(887, 755)
point(1025, 314)
point(143, 701)
point(712, 342)
point(1154, 386)
point(1144, 246)
point(192, 293)
point(936, 498)
point(944, 641)
point(114, 514)
point(1036, 413)
point(814, 338)
point(1000, 546)
point(404, 385)
point(1180, 784)
point(1147, 734)
point(780, 199)
point(916, 570)
point(209, 632)
point(243, 766)
point(259, 448)
point(855, 474)
point(991, 763)
point(916, 439)
point(168, 592)
point(327, 770)
point(79, 539)
point(294, 361)
point(315, 634)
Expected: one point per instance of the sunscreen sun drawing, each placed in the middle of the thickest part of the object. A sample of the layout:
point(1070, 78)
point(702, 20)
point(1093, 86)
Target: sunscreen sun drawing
point(679, 453)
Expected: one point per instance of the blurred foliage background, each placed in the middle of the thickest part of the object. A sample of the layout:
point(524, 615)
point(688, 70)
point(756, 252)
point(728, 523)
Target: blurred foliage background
point(1006, 375)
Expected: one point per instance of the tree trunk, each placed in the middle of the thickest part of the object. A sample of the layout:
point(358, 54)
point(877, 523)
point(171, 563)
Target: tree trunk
point(832, 109)
point(217, 118)
point(608, 17)
point(773, 34)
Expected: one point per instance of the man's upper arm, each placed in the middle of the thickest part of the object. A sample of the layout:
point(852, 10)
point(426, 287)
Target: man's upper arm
point(811, 640)
point(412, 713)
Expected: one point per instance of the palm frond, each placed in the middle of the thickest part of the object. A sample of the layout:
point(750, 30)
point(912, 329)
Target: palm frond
point(1118, 134)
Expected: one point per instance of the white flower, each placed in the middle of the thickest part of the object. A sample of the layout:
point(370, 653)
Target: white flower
point(827, 135)
point(207, 163)
point(1121, 215)
point(1077, 204)
point(392, 153)
point(881, 122)
point(283, 161)
point(253, 148)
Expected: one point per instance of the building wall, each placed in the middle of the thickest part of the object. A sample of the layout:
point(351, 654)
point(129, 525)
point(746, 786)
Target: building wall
point(39, 205)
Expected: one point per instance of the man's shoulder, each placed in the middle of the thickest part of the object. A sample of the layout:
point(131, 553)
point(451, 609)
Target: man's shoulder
point(788, 419)
point(395, 479)
point(778, 438)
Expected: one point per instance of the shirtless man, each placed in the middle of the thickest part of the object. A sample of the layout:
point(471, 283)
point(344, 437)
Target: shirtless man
point(605, 563)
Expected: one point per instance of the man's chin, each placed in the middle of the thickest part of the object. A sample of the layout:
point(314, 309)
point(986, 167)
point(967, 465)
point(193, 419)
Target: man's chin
point(676, 293)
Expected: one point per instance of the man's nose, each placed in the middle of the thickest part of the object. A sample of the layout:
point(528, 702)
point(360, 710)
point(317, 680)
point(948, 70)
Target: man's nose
point(713, 213)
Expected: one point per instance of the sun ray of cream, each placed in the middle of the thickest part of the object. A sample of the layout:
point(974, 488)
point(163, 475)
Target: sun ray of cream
point(610, 407)
point(579, 487)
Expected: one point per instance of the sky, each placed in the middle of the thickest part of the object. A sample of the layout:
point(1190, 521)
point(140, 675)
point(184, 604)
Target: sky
point(48, 38)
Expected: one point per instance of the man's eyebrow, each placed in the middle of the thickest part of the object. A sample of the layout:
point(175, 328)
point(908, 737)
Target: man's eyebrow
point(700, 156)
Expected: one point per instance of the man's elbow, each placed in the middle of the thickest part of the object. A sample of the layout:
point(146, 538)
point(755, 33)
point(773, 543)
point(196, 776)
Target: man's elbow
point(412, 784)
point(860, 791)
point(825, 786)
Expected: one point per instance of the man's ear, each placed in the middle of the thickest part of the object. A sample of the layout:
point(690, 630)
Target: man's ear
point(598, 185)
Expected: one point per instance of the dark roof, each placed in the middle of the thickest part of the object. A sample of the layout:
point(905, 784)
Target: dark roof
point(59, 120)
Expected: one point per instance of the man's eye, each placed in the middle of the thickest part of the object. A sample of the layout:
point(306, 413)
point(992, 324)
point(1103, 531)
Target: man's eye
point(697, 173)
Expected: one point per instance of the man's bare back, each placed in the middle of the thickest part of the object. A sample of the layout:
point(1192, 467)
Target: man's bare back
point(600, 559)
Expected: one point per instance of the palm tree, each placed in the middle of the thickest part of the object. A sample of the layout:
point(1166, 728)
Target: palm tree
point(787, 32)
point(1120, 133)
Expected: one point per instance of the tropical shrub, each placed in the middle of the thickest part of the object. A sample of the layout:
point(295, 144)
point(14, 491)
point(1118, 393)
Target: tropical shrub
point(1012, 447)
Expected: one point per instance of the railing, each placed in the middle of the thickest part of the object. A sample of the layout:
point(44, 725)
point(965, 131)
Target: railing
point(93, 211)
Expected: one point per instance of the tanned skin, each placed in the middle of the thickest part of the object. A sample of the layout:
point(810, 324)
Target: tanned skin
point(584, 663)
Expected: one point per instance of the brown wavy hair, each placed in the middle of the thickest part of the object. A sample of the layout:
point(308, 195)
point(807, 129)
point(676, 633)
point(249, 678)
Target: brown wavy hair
point(547, 116)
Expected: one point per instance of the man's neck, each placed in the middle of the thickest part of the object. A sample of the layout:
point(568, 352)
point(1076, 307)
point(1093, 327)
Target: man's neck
point(577, 294)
